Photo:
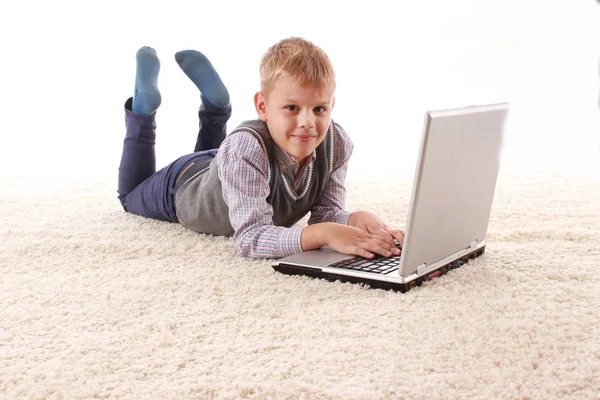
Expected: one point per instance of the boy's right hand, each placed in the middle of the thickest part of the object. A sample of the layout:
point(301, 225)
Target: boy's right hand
point(348, 240)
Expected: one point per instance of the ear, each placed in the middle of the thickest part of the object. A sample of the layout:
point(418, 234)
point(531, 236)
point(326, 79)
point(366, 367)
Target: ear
point(261, 106)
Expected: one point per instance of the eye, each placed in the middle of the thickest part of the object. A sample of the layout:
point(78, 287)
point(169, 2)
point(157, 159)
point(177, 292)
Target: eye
point(291, 108)
point(320, 109)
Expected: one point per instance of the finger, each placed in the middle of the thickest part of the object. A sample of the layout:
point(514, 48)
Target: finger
point(359, 251)
point(398, 235)
point(378, 247)
point(383, 233)
point(387, 244)
point(375, 244)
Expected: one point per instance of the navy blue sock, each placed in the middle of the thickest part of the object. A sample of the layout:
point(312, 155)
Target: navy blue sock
point(146, 97)
point(197, 67)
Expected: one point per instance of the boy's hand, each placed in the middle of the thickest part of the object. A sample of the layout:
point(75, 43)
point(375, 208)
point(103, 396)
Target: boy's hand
point(346, 239)
point(371, 223)
point(351, 240)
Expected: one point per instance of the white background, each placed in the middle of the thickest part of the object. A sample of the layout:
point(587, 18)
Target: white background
point(68, 67)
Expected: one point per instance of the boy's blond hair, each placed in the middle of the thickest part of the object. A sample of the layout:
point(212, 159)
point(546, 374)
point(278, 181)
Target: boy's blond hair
point(296, 58)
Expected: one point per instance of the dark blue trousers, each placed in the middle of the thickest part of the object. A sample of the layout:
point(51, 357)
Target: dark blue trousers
point(150, 193)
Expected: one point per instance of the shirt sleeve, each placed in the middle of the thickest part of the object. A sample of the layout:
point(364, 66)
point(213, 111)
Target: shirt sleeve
point(244, 174)
point(331, 205)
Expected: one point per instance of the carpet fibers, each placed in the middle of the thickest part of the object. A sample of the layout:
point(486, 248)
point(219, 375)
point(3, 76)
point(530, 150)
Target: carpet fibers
point(98, 303)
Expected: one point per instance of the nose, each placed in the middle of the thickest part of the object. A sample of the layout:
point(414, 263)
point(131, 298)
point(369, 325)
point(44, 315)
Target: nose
point(306, 120)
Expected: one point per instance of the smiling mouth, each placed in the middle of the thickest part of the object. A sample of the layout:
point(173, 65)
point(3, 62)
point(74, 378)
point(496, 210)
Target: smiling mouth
point(304, 138)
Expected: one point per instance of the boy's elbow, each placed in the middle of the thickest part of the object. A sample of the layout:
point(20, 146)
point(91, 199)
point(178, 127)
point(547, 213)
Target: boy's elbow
point(242, 248)
point(253, 243)
point(246, 248)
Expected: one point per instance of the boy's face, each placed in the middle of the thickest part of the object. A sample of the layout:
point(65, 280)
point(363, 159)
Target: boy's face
point(297, 117)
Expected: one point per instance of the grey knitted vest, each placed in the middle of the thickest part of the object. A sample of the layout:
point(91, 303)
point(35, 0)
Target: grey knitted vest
point(199, 202)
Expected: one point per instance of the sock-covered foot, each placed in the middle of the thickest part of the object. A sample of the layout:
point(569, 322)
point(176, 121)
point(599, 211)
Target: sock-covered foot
point(197, 67)
point(146, 97)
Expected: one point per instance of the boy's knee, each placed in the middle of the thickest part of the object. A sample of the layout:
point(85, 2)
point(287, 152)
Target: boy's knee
point(123, 202)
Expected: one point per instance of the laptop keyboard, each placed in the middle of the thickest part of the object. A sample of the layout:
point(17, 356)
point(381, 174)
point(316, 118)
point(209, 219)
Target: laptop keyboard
point(377, 265)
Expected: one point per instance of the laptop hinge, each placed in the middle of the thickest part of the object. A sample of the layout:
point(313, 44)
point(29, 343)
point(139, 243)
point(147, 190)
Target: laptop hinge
point(425, 268)
point(421, 269)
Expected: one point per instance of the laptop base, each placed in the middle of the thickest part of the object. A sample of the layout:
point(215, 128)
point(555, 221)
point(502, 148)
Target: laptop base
point(290, 269)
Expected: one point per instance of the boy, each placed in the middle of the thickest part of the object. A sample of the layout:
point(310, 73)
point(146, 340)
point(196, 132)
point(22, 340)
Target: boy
point(267, 174)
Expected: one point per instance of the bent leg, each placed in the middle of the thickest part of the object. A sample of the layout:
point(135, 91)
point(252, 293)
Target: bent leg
point(138, 161)
point(215, 109)
point(154, 197)
point(213, 125)
point(143, 191)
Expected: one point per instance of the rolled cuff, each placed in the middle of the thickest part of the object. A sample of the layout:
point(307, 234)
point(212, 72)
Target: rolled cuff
point(290, 242)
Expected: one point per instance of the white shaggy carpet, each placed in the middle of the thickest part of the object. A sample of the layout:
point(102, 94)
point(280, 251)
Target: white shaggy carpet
point(98, 303)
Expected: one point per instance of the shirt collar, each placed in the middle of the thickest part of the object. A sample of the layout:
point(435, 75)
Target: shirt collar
point(288, 164)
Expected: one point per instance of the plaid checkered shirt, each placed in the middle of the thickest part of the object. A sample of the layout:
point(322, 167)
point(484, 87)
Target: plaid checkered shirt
point(244, 170)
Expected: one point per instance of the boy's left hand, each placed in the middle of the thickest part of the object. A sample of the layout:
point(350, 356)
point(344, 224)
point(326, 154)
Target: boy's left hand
point(371, 223)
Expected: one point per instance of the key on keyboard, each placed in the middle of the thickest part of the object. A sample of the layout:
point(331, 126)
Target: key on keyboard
point(377, 265)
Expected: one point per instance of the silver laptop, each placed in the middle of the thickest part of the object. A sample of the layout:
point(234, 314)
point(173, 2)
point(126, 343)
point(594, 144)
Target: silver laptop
point(450, 206)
